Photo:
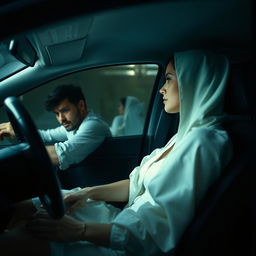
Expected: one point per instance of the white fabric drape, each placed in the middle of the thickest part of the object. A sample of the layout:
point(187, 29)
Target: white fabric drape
point(164, 193)
point(132, 122)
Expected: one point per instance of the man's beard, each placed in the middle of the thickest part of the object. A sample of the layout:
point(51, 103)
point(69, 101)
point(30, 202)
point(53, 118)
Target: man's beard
point(73, 125)
point(70, 127)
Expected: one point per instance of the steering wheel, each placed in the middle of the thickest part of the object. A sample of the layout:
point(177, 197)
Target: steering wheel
point(46, 181)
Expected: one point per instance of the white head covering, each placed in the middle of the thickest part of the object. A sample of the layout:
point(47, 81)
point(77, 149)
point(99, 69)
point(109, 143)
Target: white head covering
point(117, 126)
point(132, 122)
point(133, 116)
point(202, 77)
point(163, 198)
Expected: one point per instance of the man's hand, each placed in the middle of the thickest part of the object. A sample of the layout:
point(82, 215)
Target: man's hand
point(6, 130)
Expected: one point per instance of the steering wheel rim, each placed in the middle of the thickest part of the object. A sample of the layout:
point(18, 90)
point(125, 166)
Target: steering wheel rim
point(49, 190)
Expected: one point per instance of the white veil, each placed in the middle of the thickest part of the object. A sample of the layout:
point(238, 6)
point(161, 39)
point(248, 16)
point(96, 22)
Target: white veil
point(132, 122)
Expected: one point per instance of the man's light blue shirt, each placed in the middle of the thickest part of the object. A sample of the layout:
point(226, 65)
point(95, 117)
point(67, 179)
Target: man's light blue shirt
point(74, 146)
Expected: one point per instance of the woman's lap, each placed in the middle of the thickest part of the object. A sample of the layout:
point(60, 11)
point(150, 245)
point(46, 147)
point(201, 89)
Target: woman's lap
point(92, 211)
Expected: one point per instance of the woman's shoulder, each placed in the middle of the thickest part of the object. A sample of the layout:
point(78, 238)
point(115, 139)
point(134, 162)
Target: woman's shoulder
point(211, 135)
point(205, 141)
point(208, 131)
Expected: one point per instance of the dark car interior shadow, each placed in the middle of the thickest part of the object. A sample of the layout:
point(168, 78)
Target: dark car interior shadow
point(111, 162)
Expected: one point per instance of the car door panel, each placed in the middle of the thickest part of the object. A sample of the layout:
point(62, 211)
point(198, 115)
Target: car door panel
point(112, 161)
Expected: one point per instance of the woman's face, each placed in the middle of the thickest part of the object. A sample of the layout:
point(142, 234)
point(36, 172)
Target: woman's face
point(170, 91)
point(121, 108)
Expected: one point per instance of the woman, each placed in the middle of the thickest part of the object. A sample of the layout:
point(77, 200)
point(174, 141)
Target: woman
point(130, 120)
point(117, 125)
point(162, 192)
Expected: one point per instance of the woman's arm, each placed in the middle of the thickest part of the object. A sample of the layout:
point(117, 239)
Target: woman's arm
point(97, 233)
point(113, 192)
point(68, 229)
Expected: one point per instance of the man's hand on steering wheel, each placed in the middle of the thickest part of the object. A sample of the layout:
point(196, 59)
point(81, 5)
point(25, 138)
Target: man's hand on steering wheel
point(6, 130)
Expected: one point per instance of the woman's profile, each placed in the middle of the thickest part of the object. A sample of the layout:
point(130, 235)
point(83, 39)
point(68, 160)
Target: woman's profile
point(162, 193)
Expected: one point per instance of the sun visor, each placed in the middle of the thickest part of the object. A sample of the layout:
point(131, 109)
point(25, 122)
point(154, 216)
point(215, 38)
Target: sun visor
point(62, 43)
point(66, 52)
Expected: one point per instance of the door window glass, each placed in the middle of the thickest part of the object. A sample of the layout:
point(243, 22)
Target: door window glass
point(120, 94)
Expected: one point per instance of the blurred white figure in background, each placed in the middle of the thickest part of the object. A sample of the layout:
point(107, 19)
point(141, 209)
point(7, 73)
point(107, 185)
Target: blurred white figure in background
point(117, 126)
point(130, 120)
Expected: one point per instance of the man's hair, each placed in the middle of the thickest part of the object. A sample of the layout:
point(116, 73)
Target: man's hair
point(70, 92)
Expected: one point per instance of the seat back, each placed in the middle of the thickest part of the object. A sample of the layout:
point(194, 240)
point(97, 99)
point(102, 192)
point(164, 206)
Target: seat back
point(224, 223)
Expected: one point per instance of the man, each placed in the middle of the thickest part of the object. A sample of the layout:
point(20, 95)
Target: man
point(80, 133)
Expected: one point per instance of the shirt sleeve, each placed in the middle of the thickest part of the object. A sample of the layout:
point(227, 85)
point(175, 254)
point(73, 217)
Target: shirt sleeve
point(51, 136)
point(88, 137)
point(155, 226)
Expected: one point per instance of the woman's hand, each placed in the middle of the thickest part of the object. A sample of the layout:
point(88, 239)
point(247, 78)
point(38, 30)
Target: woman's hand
point(66, 229)
point(76, 199)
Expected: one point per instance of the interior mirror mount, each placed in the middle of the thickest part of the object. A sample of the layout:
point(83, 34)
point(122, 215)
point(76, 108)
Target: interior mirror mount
point(22, 49)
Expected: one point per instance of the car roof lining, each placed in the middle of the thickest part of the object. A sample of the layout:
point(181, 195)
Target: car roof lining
point(118, 36)
point(122, 33)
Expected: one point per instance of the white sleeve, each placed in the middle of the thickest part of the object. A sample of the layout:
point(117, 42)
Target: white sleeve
point(50, 136)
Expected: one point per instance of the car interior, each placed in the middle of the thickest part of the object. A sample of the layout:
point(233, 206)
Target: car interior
point(90, 42)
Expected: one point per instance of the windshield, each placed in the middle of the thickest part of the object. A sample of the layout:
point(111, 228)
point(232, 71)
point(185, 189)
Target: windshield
point(8, 63)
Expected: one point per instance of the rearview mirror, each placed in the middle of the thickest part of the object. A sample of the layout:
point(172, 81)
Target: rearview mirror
point(22, 50)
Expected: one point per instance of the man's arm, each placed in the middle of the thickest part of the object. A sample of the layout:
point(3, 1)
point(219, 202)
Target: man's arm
point(50, 137)
point(78, 146)
point(53, 135)
point(6, 130)
point(52, 154)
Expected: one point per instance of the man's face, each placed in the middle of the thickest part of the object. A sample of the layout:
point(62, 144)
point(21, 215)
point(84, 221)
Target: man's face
point(69, 115)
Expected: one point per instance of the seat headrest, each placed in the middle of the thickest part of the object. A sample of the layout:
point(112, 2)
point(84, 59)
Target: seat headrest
point(240, 97)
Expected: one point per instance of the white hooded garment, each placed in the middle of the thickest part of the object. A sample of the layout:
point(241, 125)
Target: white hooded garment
point(132, 122)
point(164, 193)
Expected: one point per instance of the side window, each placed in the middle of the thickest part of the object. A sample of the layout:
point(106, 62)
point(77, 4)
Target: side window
point(120, 94)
